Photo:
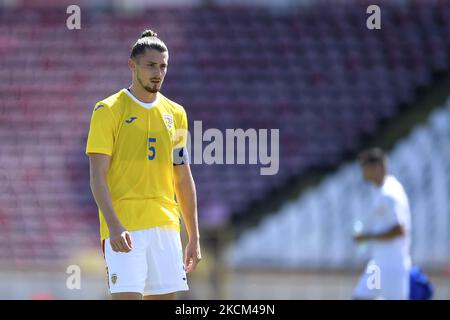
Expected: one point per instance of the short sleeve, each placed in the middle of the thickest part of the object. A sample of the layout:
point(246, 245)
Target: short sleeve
point(391, 211)
point(101, 131)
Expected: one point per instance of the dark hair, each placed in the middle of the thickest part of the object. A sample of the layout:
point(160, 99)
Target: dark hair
point(148, 40)
point(372, 156)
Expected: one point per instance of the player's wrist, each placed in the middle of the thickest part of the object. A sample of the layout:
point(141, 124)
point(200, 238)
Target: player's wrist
point(194, 238)
point(116, 227)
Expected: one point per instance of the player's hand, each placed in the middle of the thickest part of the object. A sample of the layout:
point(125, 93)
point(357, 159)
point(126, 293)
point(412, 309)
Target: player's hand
point(192, 255)
point(120, 240)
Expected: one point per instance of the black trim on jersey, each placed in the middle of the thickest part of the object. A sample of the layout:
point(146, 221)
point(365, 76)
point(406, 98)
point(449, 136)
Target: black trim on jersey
point(180, 156)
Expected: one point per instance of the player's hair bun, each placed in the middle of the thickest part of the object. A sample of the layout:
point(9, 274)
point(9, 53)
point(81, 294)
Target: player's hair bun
point(148, 40)
point(149, 33)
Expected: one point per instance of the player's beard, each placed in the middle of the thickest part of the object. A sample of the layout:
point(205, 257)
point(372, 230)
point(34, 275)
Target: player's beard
point(148, 88)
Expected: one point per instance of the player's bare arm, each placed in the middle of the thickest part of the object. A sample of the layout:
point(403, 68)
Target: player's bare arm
point(99, 165)
point(186, 197)
point(389, 234)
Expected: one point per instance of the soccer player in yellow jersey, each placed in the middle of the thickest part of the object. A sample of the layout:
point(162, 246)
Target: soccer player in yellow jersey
point(138, 164)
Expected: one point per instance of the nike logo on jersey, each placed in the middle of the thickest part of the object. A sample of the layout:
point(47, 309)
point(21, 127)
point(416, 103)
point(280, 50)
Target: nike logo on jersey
point(131, 120)
point(98, 107)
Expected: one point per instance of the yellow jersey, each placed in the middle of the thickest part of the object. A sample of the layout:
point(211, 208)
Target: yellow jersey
point(140, 138)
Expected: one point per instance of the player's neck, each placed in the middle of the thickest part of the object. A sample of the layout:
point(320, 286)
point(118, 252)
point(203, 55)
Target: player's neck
point(142, 95)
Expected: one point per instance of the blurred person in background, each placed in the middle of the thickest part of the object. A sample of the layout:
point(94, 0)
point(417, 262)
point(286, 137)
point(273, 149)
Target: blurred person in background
point(389, 230)
point(138, 163)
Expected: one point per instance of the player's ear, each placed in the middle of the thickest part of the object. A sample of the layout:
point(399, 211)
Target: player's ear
point(131, 64)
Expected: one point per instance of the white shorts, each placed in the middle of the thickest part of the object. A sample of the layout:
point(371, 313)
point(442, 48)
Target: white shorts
point(154, 265)
point(393, 283)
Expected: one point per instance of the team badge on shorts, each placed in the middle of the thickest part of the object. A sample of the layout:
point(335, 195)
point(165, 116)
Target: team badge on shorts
point(114, 278)
point(168, 120)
